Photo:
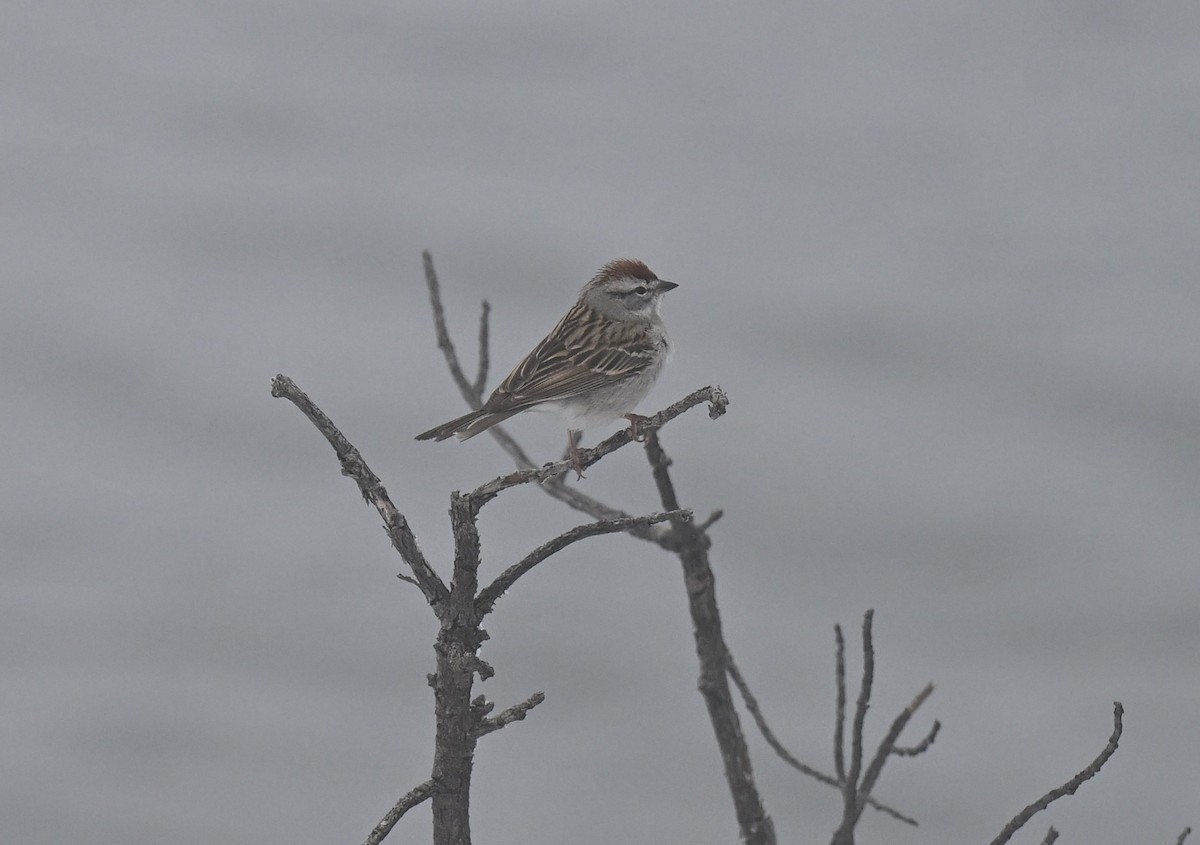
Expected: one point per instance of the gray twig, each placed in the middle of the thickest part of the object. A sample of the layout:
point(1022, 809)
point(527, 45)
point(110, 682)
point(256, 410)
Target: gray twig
point(372, 489)
point(922, 746)
point(839, 730)
point(489, 594)
point(850, 802)
point(756, 713)
point(1050, 836)
point(888, 745)
point(713, 395)
point(513, 714)
point(472, 396)
point(1070, 786)
point(406, 803)
point(1183, 836)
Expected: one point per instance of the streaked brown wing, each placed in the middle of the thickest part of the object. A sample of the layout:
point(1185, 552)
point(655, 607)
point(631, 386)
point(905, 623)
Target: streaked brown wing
point(569, 361)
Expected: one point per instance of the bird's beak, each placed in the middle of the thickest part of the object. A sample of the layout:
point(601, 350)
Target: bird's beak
point(664, 286)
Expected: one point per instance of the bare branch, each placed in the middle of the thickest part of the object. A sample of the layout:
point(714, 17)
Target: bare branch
point(712, 518)
point(473, 397)
point(756, 713)
point(691, 545)
point(851, 807)
point(1070, 786)
point(513, 714)
point(1050, 837)
point(887, 745)
point(713, 395)
point(1183, 836)
point(372, 489)
point(922, 746)
point(412, 799)
point(489, 594)
point(839, 731)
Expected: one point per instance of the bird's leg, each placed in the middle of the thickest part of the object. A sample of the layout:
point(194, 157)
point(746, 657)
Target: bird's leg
point(636, 421)
point(573, 454)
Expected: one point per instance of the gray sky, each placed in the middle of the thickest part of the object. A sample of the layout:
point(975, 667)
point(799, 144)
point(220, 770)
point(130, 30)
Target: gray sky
point(942, 257)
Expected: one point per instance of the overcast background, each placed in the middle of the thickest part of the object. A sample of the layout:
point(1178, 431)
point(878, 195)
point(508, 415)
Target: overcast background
point(941, 255)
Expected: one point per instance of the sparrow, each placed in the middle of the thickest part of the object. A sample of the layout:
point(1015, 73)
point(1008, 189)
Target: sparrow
point(594, 367)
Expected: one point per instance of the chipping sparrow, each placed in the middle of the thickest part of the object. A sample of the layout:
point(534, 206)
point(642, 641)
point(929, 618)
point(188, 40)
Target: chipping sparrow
point(594, 367)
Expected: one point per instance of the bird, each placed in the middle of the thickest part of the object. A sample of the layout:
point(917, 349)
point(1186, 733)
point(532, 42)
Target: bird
point(594, 367)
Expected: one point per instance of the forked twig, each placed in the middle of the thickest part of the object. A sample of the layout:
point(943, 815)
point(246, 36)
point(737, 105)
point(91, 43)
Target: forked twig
point(756, 713)
point(513, 714)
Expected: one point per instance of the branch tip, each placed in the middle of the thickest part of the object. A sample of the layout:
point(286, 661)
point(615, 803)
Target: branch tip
point(1071, 786)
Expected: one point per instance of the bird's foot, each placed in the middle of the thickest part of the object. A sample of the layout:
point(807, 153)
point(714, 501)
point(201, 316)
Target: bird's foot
point(636, 421)
point(574, 454)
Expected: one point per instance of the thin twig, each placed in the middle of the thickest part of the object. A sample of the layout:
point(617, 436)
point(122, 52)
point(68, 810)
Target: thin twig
point(1183, 836)
point(756, 713)
point(839, 730)
point(851, 808)
point(513, 714)
point(408, 578)
point(372, 489)
point(412, 799)
point(717, 402)
point(468, 391)
point(1050, 836)
point(1070, 786)
point(871, 777)
point(489, 594)
point(922, 746)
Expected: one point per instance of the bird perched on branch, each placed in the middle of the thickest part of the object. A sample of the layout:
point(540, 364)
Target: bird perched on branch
point(594, 366)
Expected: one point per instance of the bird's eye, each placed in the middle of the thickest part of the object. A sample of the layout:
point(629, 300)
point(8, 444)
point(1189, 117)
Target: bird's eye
point(640, 290)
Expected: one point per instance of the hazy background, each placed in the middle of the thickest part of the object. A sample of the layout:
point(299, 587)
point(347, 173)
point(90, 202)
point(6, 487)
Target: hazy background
point(942, 257)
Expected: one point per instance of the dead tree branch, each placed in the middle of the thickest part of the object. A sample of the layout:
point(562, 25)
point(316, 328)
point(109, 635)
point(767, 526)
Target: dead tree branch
point(353, 466)
point(778, 747)
point(858, 784)
point(513, 714)
point(1070, 786)
point(717, 402)
point(460, 720)
point(489, 594)
point(406, 803)
point(691, 545)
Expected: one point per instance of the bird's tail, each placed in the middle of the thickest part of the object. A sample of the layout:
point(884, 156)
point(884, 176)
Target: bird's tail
point(466, 426)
